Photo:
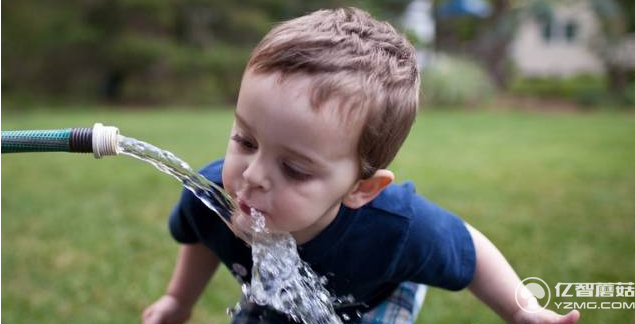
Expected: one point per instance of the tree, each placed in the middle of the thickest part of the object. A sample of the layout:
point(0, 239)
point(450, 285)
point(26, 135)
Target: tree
point(486, 39)
point(143, 51)
point(618, 22)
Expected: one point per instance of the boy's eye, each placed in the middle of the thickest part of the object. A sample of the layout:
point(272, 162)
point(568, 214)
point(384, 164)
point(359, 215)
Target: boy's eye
point(294, 173)
point(245, 143)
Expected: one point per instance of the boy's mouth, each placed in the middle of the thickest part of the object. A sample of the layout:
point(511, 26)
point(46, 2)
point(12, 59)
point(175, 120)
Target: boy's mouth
point(246, 208)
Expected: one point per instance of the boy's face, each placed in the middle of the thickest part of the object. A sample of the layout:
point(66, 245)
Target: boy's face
point(289, 161)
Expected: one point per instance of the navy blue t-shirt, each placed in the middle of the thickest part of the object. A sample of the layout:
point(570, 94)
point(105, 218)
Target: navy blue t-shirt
point(364, 253)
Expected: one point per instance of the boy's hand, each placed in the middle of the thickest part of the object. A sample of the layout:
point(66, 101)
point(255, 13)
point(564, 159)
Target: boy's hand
point(496, 284)
point(545, 317)
point(166, 310)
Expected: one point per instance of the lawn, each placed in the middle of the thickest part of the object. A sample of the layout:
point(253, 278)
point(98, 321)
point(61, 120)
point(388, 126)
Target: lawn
point(86, 241)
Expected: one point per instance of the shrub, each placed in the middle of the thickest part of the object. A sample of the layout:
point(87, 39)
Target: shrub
point(629, 95)
point(189, 75)
point(582, 88)
point(452, 81)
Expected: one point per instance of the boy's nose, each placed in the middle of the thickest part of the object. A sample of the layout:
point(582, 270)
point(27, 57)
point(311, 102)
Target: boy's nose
point(256, 176)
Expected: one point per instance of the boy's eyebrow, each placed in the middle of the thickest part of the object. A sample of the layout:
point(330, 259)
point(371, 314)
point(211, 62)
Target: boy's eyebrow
point(288, 150)
point(241, 121)
point(302, 157)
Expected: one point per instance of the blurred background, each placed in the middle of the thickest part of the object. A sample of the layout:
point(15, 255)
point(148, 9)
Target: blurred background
point(527, 131)
point(143, 52)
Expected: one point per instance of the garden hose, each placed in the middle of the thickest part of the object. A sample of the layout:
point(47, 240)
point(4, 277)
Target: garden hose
point(100, 140)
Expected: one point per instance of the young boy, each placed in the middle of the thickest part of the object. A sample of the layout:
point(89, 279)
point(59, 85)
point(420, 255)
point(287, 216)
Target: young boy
point(325, 103)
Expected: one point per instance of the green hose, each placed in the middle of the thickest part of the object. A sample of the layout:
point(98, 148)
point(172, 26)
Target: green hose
point(100, 140)
point(55, 140)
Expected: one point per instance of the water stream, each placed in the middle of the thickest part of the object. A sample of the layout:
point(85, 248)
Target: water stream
point(280, 279)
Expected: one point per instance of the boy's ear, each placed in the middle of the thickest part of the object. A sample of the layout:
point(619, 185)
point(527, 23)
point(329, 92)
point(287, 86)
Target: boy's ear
point(366, 190)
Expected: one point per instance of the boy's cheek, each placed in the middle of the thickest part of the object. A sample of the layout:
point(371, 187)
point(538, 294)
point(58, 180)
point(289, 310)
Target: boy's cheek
point(227, 180)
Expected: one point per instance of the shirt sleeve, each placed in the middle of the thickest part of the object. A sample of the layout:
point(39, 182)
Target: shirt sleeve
point(438, 250)
point(179, 222)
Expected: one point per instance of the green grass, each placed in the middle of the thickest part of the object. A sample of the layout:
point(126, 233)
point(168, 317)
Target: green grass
point(86, 241)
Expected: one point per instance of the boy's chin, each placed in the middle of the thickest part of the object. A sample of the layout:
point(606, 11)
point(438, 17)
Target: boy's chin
point(243, 222)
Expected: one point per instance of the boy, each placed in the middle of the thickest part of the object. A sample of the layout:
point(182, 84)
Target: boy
point(324, 105)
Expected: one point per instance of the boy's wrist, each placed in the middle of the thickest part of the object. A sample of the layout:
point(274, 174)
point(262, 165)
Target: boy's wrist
point(181, 301)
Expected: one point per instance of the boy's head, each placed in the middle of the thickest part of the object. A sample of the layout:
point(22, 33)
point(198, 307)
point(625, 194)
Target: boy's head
point(325, 103)
point(364, 63)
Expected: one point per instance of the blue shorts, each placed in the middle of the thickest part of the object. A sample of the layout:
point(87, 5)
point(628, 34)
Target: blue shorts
point(402, 307)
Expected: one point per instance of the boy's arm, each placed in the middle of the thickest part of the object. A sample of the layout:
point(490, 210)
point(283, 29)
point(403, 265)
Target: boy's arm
point(495, 284)
point(194, 267)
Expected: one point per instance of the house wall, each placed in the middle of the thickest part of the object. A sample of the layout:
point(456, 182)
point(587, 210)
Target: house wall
point(559, 57)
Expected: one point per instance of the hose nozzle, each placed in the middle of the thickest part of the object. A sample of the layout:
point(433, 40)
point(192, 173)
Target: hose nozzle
point(104, 140)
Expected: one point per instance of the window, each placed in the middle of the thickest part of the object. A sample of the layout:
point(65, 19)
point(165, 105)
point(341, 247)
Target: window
point(571, 31)
point(547, 30)
point(555, 31)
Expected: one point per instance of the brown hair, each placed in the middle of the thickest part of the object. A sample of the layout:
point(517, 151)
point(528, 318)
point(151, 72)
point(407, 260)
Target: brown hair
point(365, 63)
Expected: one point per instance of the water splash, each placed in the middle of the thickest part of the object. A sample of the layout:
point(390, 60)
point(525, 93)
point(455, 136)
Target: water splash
point(283, 281)
point(280, 279)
